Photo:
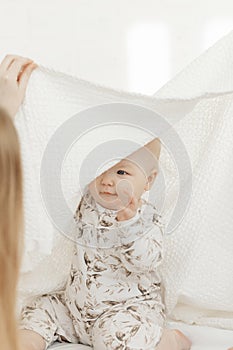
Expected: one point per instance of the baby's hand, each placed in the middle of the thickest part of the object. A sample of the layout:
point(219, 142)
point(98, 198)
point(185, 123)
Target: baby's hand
point(130, 210)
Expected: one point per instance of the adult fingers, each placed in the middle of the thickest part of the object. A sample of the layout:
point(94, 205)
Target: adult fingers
point(9, 59)
point(25, 75)
point(16, 68)
point(6, 63)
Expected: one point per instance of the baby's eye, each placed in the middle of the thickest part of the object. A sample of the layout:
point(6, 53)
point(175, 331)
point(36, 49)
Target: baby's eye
point(122, 172)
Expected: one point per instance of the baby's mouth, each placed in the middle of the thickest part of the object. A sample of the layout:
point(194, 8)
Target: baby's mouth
point(105, 193)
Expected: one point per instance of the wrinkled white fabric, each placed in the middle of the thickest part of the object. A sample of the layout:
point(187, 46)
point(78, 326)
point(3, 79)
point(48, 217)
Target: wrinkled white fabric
point(198, 265)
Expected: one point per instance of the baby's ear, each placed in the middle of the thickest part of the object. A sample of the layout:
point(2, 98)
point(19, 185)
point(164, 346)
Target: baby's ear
point(150, 180)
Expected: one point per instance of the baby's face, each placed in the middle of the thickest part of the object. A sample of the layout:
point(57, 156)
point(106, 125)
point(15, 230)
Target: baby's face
point(114, 188)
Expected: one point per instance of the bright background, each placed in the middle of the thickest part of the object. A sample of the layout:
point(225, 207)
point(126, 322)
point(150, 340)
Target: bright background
point(135, 45)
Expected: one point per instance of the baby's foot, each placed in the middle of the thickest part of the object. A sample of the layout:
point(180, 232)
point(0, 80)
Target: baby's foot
point(173, 339)
point(183, 342)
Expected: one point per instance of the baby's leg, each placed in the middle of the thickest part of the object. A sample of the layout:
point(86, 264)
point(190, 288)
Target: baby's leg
point(30, 340)
point(128, 327)
point(173, 339)
point(44, 321)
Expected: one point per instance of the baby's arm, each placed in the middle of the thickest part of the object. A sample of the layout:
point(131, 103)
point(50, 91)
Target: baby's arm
point(142, 254)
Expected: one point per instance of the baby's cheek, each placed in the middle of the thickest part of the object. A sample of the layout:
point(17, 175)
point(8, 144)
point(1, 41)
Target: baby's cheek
point(125, 191)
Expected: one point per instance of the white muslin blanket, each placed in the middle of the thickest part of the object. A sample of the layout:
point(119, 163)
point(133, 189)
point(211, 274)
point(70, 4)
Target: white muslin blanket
point(198, 103)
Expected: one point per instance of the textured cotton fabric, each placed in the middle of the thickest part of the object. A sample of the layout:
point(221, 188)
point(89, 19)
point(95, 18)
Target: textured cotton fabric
point(198, 264)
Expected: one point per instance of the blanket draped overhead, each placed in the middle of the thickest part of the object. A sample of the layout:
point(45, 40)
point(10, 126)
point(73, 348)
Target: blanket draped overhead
point(195, 173)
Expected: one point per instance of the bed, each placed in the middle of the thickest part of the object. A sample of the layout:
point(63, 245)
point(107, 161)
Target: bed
point(203, 338)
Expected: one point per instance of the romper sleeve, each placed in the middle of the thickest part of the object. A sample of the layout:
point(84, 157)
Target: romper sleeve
point(142, 241)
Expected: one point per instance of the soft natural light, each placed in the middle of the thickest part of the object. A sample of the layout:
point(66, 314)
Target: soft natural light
point(149, 57)
point(215, 29)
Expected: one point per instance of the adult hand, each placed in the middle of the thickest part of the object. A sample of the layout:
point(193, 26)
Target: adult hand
point(15, 72)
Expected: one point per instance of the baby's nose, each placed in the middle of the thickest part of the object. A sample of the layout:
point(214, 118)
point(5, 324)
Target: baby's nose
point(108, 179)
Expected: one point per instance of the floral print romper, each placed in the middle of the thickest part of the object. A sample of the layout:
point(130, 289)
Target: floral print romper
point(112, 299)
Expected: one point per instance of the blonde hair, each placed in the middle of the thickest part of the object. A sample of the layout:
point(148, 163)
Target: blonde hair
point(11, 227)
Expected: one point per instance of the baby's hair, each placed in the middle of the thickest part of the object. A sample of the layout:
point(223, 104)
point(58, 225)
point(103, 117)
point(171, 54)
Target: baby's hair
point(155, 147)
point(147, 157)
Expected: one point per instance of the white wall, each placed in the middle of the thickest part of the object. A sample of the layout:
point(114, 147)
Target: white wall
point(136, 45)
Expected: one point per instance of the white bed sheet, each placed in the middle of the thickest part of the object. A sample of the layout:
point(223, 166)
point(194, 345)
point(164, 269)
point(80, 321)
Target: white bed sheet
point(203, 338)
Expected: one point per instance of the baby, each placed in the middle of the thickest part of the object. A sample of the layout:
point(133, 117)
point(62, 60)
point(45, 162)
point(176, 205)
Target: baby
point(112, 299)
